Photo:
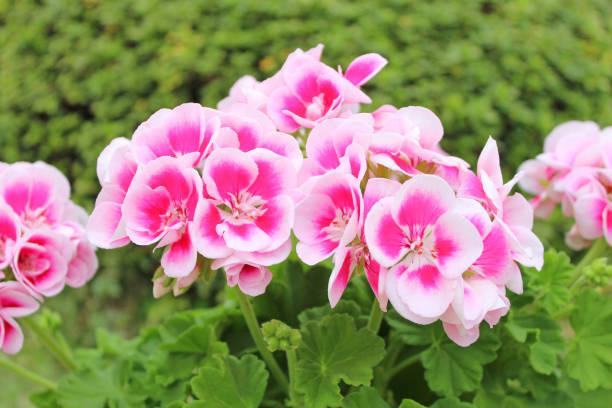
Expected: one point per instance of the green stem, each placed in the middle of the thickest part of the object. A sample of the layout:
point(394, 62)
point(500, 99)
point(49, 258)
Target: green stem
point(376, 315)
point(292, 364)
point(597, 248)
point(253, 325)
point(27, 374)
point(61, 353)
point(403, 364)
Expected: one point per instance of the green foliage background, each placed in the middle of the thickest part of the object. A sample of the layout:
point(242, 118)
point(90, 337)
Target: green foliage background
point(76, 74)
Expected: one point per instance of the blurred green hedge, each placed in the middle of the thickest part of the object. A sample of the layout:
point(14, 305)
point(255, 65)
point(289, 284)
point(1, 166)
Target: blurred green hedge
point(75, 74)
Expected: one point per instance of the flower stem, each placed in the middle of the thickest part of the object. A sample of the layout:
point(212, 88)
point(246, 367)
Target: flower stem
point(253, 325)
point(376, 315)
point(292, 364)
point(597, 248)
point(61, 353)
point(27, 374)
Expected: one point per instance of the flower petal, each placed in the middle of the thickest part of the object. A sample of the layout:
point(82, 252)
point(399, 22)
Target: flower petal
point(364, 67)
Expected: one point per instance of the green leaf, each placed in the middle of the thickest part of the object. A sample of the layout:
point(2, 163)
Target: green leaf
point(333, 350)
point(451, 403)
point(317, 313)
point(409, 403)
point(196, 339)
point(450, 369)
point(44, 399)
point(230, 383)
point(99, 388)
point(547, 342)
point(551, 283)
point(366, 397)
point(411, 333)
point(589, 358)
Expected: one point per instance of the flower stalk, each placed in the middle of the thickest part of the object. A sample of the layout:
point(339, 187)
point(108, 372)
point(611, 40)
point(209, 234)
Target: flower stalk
point(253, 326)
point(59, 351)
point(27, 374)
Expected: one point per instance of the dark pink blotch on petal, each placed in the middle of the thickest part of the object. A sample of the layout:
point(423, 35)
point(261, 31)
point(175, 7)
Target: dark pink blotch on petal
point(364, 67)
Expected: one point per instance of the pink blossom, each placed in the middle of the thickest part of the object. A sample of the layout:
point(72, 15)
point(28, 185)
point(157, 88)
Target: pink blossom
point(513, 212)
point(406, 140)
point(329, 218)
point(247, 90)
point(476, 299)
point(252, 279)
point(10, 232)
point(41, 262)
point(338, 143)
point(357, 255)
point(182, 132)
point(570, 145)
point(246, 129)
point(305, 91)
point(426, 244)
point(116, 169)
point(14, 302)
point(594, 217)
point(248, 207)
point(37, 192)
point(160, 206)
point(83, 264)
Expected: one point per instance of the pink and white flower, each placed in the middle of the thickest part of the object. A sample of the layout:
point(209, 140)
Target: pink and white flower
point(247, 206)
point(182, 132)
point(513, 212)
point(329, 218)
point(427, 245)
point(246, 129)
point(160, 206)
point(14, 302)
point(83, 263)
point(41, 262)
point(37, 192)
point(116, 168)
point(10, 232)
point(340, 143)
point(305, 91)
point(252, 279)
point(357, 255)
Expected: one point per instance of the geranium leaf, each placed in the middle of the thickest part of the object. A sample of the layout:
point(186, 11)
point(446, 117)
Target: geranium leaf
point(589, 358)
point(551, 283)
point(547, 343)
point(333, 350)
point(366, 397)
point(450, 369)
point(230, 383)
point(451, 403)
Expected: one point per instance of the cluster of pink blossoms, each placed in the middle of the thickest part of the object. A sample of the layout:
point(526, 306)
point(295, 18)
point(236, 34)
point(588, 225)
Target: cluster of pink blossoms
point(575, 170)
point(43, 245)
point(372, 191)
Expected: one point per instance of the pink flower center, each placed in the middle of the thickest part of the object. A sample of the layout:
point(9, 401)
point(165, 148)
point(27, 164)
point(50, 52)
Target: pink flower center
point(31, 264)
point(34, 218)
point(177, 217)
point(243, 209)
point(420, 245)
point(336, 228)
point(316, 108)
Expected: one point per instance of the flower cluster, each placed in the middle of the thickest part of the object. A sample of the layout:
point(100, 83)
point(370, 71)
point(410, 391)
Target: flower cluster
point(372, 191)
point(43, 245)
point(575, 170)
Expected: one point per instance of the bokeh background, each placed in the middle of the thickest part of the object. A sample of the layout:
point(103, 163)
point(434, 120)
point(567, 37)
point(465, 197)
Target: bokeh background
point(75, 74)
